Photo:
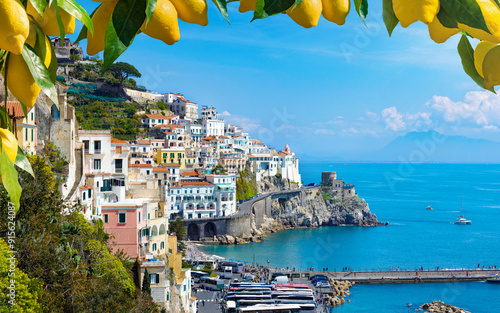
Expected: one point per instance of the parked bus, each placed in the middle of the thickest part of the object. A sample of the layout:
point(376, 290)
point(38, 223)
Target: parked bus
point(284, 308)
point(237, 266)
point(198, 275)
point(211, 283)
point(228, 272)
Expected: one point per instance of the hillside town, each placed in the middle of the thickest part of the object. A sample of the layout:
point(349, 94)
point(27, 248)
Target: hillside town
point(185, 166)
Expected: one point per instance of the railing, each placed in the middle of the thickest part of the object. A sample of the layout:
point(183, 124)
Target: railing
point(348, 186)
point(118, 170)
point(97, 151)
point(107, 188)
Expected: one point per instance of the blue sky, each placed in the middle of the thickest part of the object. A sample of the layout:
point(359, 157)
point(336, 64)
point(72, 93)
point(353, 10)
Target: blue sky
point(326, 91)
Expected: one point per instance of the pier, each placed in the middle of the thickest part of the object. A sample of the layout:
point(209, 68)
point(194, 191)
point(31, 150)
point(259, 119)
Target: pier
point(403, 276)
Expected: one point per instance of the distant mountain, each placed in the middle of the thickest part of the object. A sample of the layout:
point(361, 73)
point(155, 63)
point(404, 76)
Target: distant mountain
point(432, 146)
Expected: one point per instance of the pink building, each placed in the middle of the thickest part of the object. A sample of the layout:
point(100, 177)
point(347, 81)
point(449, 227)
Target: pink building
point(126, 222)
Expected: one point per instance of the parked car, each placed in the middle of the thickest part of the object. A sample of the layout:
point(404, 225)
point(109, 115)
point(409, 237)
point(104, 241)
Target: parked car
point(318, 276)
point(322, 284)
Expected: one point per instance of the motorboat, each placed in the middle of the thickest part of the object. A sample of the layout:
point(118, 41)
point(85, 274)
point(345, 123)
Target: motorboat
point(429, 207)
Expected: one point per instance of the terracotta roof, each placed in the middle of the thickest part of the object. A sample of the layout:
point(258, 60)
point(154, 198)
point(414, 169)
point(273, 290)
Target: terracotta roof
point(114, 140)
point(85, 187)
point(251, 156)
point(190, 174)
point(140, 165)
point(196, 183)
point(160, 169)
point(14, 108)
point(256, 141)
point(143, 142)
point(171, 117)
point(169, 165)
point(224, 137)
point(170, 133)
point(274, 152)
point(161, 126)
point(284, 152)
point(209, 138)
point(175, 126)
point(155, 116)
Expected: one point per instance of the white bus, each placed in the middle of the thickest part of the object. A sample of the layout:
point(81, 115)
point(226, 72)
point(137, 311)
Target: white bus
point(228, 272)
point(211, 283)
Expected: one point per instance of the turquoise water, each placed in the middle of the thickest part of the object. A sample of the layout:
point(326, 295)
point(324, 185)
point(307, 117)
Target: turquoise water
point(416, 237)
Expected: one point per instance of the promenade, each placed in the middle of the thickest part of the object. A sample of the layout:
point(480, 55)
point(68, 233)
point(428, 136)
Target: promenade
point(406, 276)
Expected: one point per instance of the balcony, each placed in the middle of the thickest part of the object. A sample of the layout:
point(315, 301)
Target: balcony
point(107, 188)
point(97, 151)
point(118, 170)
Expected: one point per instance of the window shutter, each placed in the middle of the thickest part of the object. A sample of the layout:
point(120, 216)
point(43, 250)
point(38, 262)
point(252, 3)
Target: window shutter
point(157, 278)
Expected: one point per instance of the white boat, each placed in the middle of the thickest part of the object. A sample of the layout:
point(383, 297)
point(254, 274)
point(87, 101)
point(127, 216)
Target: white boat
point(461, 220)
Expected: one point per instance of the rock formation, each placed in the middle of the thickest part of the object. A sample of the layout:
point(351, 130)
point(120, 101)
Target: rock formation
point(441, 307)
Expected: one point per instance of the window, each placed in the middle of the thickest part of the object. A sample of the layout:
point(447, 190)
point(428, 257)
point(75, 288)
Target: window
point(155, 278)
point(139, 217)
point(32, 134)
point(26, 135)
point(86, 145)
point(154, 246)
point(97, 146)
point(122, 217)
point(32, 116)
point(162, 245)
point(97, 164)
point(106, 218)
point(90, 193)
point(149, 216)
point(84, 194)
point(97, 184)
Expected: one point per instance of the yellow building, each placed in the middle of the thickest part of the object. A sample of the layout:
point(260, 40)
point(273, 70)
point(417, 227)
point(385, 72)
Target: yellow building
point(175, 259)
point(25, 127)
point(176, 156)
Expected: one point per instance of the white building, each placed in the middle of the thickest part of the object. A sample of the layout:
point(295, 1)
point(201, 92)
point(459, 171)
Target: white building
point(224, 193)
point(152, 120)
point(213, 127)
point(191, 200)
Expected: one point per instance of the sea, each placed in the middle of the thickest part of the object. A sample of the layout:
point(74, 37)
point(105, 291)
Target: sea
point(399, 193)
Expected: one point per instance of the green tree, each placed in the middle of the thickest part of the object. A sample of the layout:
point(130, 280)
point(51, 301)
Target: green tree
point(146, 284)
point(179, 229)
point(161, 105)
point(122, 71)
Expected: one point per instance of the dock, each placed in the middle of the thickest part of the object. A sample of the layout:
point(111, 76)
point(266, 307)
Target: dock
point(403, 276)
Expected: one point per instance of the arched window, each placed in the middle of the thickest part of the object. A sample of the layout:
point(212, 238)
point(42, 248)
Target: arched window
point(162, 245)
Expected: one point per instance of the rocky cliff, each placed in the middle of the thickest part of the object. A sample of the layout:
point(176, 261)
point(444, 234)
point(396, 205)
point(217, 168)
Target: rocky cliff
point(318, 211)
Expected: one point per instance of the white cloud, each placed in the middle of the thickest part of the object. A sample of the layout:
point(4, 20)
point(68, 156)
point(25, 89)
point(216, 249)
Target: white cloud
point(246, 123)
point(323, 131)
point(225, 113)
point(478, 107)
point(393, 119)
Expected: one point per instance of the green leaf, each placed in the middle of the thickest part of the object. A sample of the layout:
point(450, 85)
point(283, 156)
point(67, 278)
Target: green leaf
point(266, 8)
point(362, 9)
point(466, 12)
point(222, 6)
point(40, 46)
point(390, 19)
point(22, 162)
point(40, 73)
point(62, 32)
point(83, 32)
point(113, 48)
point(9, 179)
point(39, 5)
point(76, 10)
point(150, 8)
point(467, 55)
point(128, 17)
point(446, 19)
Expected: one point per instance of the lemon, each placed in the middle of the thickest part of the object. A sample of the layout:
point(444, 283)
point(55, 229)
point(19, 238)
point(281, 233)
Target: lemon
point(482, 49)
point(20, 81)
point(336, 10)
point(31, 40)
point(247, 5)
point(307, 13)
point(410, 11)
point(14, 26)
point(9, 144)
point(192, 11)
point(491, 68)
point(491, 14)
point(440, 33)
point(48, 21)
point(163, 24)
point(102, 15)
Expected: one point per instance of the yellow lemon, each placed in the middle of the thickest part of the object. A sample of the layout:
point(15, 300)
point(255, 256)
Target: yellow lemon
point(95, 43)
point(20, 81)
point(14, 26)
point(31, 40)
point(163, 24)
point(9, 144)
point(307, 13)
point(482, 49)
point(491, 14)
point(247, 5)
point(410, 11)
point(192, 11)
point(336, 10)
point(48, 21)
point(491, 68)
point(440, 33)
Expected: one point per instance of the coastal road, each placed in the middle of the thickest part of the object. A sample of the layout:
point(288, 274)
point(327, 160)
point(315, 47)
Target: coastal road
point(209, 297)
point(246, 207)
